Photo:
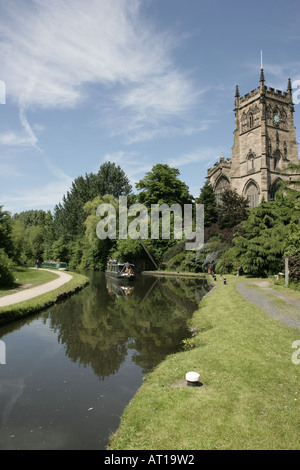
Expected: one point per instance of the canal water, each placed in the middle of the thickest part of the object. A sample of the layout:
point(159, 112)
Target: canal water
point(71, 370)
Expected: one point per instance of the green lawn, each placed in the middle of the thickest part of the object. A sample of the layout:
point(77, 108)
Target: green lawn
point(250, 398)
point(28, 307)
point(26, 278)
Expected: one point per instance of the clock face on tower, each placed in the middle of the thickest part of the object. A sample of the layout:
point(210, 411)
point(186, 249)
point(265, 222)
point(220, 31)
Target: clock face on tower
point(276, 119)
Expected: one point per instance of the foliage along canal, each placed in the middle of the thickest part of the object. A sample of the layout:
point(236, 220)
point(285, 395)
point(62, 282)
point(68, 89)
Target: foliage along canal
point(72, 370)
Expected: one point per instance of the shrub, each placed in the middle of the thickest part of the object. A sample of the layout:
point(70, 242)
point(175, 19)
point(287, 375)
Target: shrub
point(228, 262)
point(6, 267)
point(294, 269)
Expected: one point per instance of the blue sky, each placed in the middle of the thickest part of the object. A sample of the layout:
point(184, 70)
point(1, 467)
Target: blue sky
point(135, 82)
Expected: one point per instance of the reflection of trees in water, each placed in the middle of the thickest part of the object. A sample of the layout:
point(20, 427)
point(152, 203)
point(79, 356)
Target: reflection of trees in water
point(98, 326)
point(166, 310)
point(89, 333)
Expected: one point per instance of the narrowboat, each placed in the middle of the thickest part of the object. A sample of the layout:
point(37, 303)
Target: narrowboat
point(120, 270)
point(55, 265)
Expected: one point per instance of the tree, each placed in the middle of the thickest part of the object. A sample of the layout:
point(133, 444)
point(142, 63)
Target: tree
point(232, 210)
point(294, 268)
point(292, 241)
point(260, 240)
point(69, 216)
point(96, 251)
point(111, 179)
point(291, 187)
point(5, 232)
point(32, 236)
point(59, 250)
point(6, 249)
point(162, 185)
point(6, 270)
point(32, 217)
point(208, 199)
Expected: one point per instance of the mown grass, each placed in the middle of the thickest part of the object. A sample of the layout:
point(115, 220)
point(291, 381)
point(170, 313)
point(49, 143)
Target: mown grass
point(250, 394)
point(26, 278)
point(29, 307)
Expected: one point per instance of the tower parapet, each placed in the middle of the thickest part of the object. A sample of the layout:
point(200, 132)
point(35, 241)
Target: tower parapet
point(264, 144)
point(222, 164)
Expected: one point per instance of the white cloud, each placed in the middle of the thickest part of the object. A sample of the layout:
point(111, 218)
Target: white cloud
point(276, 74)
point(62, 53)
point(207, 155)
point(13, 139)
point(37, 197)
point(51, 51)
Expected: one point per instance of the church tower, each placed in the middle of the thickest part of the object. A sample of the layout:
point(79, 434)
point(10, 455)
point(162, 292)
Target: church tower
point(264, 145)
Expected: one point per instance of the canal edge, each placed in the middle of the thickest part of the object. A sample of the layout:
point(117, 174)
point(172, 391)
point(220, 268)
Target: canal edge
point(19, 313)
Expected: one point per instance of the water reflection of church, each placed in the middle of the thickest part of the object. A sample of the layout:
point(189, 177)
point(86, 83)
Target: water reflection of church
point(264, 144)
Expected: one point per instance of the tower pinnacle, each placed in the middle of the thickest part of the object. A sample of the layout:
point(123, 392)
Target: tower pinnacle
point(262, 77)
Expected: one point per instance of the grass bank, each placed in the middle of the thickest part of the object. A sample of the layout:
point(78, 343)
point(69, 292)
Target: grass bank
point(32, 306)
point(25, 278)
point(173, 273)
point(250, 396)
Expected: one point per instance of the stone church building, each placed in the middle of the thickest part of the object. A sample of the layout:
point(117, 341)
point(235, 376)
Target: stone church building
point(264, 144)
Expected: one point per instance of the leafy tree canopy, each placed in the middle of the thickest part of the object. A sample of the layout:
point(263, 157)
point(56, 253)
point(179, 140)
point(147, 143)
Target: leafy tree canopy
point(232, 210)
point(261, 240)
point(69, 216)
point(33, 217)
point(5, 232)
point(162, 185)
point(208, 199)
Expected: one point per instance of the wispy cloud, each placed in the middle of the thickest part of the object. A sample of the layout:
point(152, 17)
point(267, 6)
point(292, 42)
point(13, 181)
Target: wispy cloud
point(52, 51)
point(9, 170)
point(277, 73)
point(207, 155)
point(35, 197)
point(14, 139)
point(62, 54)
point(132, 163)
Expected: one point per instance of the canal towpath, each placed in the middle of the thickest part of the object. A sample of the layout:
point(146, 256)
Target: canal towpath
point(32, 292)
point(279, 305)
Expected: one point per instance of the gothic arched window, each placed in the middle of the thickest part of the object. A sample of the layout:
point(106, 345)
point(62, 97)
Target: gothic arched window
point(274, 188)
point(250, 163)
point(244, 122)
point(251, 120)
point(252, 194)
point(284, 150)
point(283, 117)
point(277, 157)
point(221, 186)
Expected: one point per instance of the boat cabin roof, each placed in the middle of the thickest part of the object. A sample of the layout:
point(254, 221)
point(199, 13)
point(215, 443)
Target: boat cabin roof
point(119, 264)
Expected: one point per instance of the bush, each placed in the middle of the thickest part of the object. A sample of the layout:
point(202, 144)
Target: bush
point(6, 270)
point(294, 269)
point(228, 262)
point(179, 247)
point(176, 261)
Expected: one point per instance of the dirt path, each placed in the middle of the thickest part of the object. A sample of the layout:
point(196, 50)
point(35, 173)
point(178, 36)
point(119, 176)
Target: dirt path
point(277, 305)
point(36, 291)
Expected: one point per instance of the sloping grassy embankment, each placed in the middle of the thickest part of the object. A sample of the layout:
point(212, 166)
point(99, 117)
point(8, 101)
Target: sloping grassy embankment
point(250, 397)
